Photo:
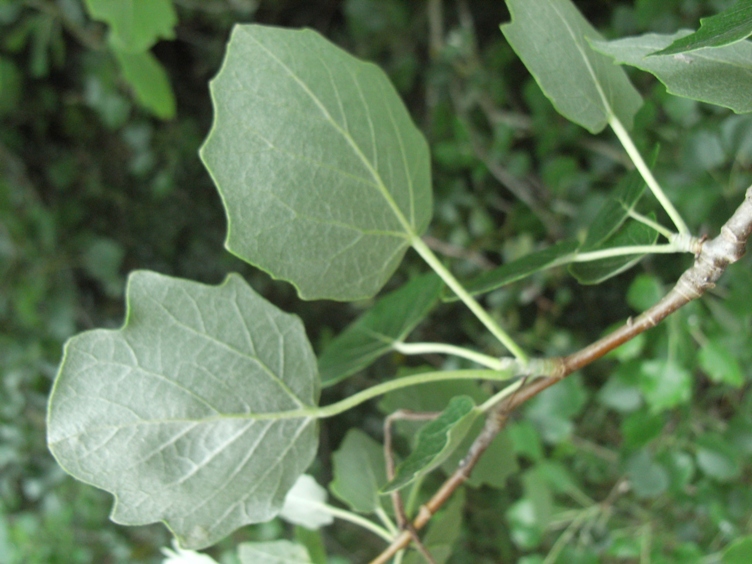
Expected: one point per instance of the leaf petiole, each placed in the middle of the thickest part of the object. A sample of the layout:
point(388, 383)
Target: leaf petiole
point(427, 348)
point(427, 254)
point(650, 180)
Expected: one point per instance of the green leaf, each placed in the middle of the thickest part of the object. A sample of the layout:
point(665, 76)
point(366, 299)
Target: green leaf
point(738, 552)
point(719, 364)
point(303, 504)
point(718, 458)
point(372, 335)
point(647, 477)
point(135, 25)
point(149, 81)
point(550, 36)
point(597, 271)
point(443, 531)
point(665, 384)
point(495, 466)
point(719, 75)
point(274, 552)
point(617, 207)
point(177, 412)
point(324, 176)
point(359, 472)
point(554, 255)
point(435, 442)
point(644, 292)
point(730, 26)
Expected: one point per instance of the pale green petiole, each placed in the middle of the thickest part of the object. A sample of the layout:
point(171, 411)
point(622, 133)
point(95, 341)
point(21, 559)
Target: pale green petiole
point(355, 519)
point(442, 348)
point(621, 251)
point(647, 175)
point(667, 233)
point(469, 301)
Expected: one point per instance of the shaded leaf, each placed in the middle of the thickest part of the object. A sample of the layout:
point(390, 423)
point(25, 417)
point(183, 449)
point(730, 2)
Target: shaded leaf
point(274, 552)
point(435, 442)
point(177, 412)
point(665, 384)
point(719, 75)
point(554, 255)
point(303, 504)
point(647, 477)
point(135, 25)
point(391, 319)
point(495, 466)
point(738, 552)
point(617, 207)
point(151, 86)
point(359, 472)
point(720, 364)
point(443, 531)
point(730, 26)
point(550, 38)
point(323, 174)
point(597, 271)
point(718, 458)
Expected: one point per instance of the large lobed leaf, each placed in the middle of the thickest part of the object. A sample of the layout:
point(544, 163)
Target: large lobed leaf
point(177, 412)
point(323, 174)
point(551, 38)
point(717, 75)
point(373, 334)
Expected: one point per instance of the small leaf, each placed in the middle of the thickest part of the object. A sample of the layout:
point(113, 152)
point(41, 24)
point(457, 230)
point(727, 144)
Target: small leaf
point(597, 271)
point(149, 81)
point(359, 472)
point(665, 384)
point(717, 458)
point(551, 38)
point(303, 504)
point(616, 209)
point(738, 552)
point(718, 75)
point(647, 477)
point(372, 335)
point(443, 531)
point(135, 25)
point(435, 442)
point(730, 26)
point(178, 412)
point(554, 255)
point(274, 552)
point(323, 174)
point(719, 364)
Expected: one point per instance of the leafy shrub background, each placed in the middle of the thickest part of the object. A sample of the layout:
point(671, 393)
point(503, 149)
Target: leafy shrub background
point(93, 185)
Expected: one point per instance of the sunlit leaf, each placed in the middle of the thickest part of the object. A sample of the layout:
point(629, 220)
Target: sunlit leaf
point(135, 25)
point(738, 552)
point(274, 552)
point(149, 81)
point(177, 412)
point(583, 85)
point(633, 233)
point(435, 442)
point(730, 26)
point(303, 504)
point(391, 319)
point(323, 174)
point(718, 75)
point(523, 267)
point(359, 472)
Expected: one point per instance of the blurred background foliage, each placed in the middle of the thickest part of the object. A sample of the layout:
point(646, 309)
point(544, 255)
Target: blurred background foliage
point(643, 457)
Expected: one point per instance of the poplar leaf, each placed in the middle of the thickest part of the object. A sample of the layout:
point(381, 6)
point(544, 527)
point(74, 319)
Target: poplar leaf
point(717, 75)
point(180, 413)
point(135, 25)
point(551, 37)
point(435, 442)
point(274, 552)
point(324, 176)
point(730, 26)
point(149, 81)
point(359, 472)
point(304, 504)
point(372, 335)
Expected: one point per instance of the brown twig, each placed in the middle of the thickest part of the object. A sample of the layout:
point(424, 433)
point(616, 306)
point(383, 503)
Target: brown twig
point(710, 263)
